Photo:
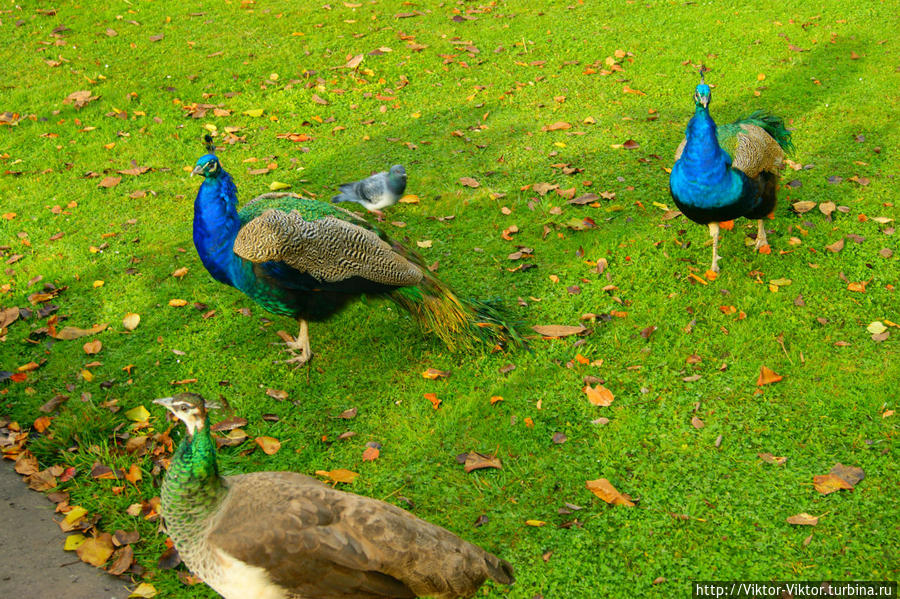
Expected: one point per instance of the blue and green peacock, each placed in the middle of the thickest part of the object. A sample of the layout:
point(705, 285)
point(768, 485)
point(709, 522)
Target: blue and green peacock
point(722, 173)
point(307, 259)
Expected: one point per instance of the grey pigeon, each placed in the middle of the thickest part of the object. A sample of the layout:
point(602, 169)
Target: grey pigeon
point(378, 191)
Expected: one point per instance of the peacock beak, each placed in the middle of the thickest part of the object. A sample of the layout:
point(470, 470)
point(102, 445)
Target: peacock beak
point(166, 402)
point(198, 170)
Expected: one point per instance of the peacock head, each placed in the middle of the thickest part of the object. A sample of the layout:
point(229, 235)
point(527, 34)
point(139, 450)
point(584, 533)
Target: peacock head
point(702, 93)
point(208, 166)
point(190, 408)
point(397, 172)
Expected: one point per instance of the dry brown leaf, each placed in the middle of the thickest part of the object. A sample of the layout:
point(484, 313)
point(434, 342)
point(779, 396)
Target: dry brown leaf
point(557, 126)
point(803, 519)
point(96, 550)
point(469, 182)
point(772, 459)
point(478, 461)
point(603, 489)
point(269, 445)
point(558, 330)
point(803, 207)
point(851, 474)
point(68, 333)
point(277, 394)
point(93, 347)
point(179, 273)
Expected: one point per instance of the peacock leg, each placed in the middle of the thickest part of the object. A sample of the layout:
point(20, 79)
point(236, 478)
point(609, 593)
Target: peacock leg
point(299, 346)
point(714, 233)
point(761, 235)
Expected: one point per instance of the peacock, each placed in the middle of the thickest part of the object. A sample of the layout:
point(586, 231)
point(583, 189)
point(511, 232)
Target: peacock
point(282, 535)
point(381, 190)
point(307, 259)
point(722, 173)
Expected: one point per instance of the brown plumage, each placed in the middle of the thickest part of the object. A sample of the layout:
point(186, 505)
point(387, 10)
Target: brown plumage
point(282, 535)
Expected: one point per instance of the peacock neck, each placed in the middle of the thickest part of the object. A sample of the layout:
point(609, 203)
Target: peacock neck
point(216, 225)
point(702, 159)
point(192, 488)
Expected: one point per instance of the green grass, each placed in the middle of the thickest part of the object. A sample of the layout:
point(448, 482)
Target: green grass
point(827, 409)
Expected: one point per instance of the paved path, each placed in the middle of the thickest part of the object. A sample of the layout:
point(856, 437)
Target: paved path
point(33, 564)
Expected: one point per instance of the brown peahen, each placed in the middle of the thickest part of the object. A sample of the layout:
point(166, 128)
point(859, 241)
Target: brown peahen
point(282, 535)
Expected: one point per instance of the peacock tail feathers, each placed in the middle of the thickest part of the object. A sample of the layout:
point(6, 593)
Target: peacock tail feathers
point(460, 323)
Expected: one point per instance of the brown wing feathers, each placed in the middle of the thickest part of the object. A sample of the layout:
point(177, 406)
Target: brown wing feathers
point(309, 537)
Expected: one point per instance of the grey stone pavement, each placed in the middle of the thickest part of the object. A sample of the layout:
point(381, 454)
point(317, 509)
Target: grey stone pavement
point(33, 564)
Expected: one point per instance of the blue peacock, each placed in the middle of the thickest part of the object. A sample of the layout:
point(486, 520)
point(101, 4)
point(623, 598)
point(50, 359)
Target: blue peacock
point(722, 173)
point(307, 259)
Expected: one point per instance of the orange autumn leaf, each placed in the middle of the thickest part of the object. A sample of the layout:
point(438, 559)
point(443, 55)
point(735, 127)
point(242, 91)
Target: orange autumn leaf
point(435, 402)
point(269, 445)
point(599, 395)
point(765, 249)
point(134, 474)
point(829, 483)
point(727, 225)
point(603, 489)
point(857, 287)
point(496, 399)
point(767, 376)
point(371, 454)
point(42, 423)
point(97, 550)
point(93, 347)
point(581, 359)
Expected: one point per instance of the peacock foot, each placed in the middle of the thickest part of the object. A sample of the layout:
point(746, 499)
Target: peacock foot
point(297, 347)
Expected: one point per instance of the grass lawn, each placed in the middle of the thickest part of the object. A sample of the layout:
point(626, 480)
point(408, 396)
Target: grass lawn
point(470, 89)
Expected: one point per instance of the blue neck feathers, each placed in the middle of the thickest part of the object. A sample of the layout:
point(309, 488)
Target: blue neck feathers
point(216, 225)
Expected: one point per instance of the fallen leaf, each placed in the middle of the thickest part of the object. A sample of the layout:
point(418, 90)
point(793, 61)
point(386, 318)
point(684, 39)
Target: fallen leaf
point(131, 321)
point(772, 459)
point(96, 550)
point(803, 519)
point(277, 394)
point(599, 395)
point(269, 445)
point(851, 474)
point(557, 126)
point(371, 454)
point(93, 347)
point(603, 489)
point(435, 402)
point(767, 376)
point(558, 330)
point(339, 475)
point(829, 483)
point(434, 373)
point(827, 208)
point(479, 461)
point(177, 303)
point(138, 414)
point(68, 333)
point(42, 423)
point(73, 542)
point(535, 523)
point(179, 273)
point(424, 244)
point(469, 182)
point(124, 559)
point(145, 590)
point(803, 207)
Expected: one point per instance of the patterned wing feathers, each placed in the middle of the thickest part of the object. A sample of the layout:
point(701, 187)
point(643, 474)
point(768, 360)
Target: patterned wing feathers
point(756, 151)
point(328, 248)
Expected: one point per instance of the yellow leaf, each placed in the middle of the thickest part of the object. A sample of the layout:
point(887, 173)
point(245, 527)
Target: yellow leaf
point(138, 414)
point(269, 445)
point(144, 590)
point(75, 514)
point(424, 244)
point(254, 112)
point(409, 199)
point(98, 283)
point(210, 127)
point(73, 542)
point(340, 475)
point(96, 550)
point(177, 303)
point(534, 523)
point(87, 375)
point(131, 321)
point(603, 489)
point(434, 373)
point(179, 273)
point(829, 483)
point(278, 185)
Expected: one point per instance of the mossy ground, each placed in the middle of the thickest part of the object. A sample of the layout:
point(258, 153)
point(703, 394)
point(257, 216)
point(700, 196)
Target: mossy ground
point(704, 512)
